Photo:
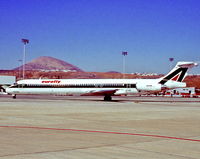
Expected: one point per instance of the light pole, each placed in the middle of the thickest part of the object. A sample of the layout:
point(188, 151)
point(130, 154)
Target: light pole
point(20, 63)
point(124, 62)
point(24, 41)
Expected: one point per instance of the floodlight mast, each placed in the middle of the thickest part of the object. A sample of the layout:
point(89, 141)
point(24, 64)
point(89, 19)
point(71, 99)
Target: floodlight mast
point(24, 41)
point(20, 70)
point(124, 62)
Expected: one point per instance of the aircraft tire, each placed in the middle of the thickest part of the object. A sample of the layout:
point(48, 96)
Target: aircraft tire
point(107, 98)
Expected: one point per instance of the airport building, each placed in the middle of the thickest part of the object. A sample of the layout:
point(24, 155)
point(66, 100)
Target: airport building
point(183, 92)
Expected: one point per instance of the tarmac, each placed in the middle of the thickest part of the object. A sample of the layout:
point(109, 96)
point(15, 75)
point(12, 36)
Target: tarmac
point(60, 127)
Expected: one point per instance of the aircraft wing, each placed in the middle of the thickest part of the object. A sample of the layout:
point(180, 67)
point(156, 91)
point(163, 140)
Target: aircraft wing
point(100, 93)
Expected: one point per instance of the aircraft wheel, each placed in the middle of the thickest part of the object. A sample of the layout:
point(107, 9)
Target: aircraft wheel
point(14, 96)
point(107, 98)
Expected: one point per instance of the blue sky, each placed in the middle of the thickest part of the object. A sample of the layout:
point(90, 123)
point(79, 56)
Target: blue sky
point(91, 34)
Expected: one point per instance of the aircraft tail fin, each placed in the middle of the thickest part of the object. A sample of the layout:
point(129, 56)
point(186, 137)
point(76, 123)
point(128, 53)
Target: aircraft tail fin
point(178, 73)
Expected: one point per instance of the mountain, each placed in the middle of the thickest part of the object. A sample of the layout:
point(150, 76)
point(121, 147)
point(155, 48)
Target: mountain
point(46, 63)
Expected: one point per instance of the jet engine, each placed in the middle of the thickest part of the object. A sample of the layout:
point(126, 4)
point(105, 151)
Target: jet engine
point(148, 87)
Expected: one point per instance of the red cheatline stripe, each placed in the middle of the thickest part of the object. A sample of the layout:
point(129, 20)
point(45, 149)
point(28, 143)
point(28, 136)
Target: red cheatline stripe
point(105, 132)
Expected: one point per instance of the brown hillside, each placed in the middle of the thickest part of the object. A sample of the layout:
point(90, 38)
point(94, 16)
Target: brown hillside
point(49, 63)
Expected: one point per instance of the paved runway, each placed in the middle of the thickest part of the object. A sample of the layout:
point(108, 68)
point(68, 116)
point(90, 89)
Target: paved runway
point(51, 127)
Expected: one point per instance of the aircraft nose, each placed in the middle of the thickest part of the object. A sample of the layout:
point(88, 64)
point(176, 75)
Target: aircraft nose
point(8, 90)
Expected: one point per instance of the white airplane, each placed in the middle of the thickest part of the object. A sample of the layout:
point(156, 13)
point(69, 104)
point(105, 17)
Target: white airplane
point(102, 87)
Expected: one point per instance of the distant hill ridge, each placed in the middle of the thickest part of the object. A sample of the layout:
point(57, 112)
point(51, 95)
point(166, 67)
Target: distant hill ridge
point(49, 64)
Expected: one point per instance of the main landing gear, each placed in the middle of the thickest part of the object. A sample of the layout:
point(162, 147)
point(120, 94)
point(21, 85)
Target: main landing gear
point(107, 98)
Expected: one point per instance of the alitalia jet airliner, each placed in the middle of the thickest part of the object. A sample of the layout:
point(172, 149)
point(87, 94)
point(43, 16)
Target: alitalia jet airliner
point(102, 87)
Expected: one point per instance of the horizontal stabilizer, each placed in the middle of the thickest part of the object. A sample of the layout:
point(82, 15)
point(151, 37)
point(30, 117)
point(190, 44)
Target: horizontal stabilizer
point(178, 73)
point(186, 64)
